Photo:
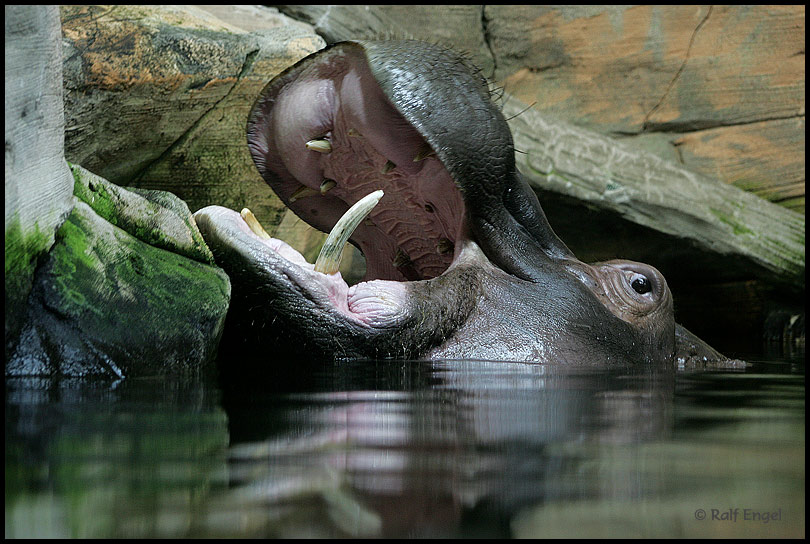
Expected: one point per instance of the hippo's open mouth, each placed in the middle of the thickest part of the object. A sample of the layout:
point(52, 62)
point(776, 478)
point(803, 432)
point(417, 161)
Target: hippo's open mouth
point(326, 139)
point(331, 137)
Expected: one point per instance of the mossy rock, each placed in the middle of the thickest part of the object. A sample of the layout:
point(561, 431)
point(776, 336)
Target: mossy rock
point(158, 218)
point(105, 303)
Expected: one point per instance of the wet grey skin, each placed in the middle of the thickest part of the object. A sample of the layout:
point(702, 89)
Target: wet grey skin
point(461, 261)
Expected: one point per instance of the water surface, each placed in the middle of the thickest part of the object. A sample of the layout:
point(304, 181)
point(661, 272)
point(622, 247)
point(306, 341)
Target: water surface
point(409, 448)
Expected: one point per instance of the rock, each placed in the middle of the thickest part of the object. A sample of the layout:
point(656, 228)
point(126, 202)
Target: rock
point(157, 97)
point(106, 304)
point(667, 65)
point(765, 158)
point(717, 82)
point(155, 217)
point(184, 114)
point(83, 296)
point(251, 18)
point(766, 241)
point(38, 184)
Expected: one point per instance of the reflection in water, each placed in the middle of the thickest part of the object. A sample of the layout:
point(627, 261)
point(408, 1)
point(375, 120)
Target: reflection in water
point(409, 448)
point(130, 459)
point(458, 448)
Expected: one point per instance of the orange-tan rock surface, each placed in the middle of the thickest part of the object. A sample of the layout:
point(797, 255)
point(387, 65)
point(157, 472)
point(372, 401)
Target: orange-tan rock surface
point(724, 85)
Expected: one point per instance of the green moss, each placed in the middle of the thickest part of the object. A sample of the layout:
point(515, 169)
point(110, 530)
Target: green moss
point(94, 195)
point(22, 250)
point(737, 227)
point(123, 281)
point(750, 185)
point(73, 261)
point(795, 204)
point(150, 216)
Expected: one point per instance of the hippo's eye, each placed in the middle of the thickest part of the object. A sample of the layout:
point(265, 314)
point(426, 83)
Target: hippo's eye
point(640, 284)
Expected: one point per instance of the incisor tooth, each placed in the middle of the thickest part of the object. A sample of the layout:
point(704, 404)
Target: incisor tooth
point(254, 224)
point(387, 167)
point(303, 192)
point(424, 152)
point(328, 260)
point(321, 146)
point(327, 185)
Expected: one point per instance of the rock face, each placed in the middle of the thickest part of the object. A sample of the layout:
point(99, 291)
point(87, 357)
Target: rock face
point(157, 97)
point(722, 87)
point(105, 303)
point(155, 217)
point(178, 89)
point(112, 283)
point(452, 25)
point(128, 289)
point(38, 185)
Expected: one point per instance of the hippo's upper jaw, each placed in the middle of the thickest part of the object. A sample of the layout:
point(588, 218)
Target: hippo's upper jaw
point(456, 242)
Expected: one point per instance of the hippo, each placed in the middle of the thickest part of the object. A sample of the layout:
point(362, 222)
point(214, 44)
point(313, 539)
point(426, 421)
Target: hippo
point(398, 147)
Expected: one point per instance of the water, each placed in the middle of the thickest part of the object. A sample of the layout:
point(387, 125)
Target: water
point(419, 449)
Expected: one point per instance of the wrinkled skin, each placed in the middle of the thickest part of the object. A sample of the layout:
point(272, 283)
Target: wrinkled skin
point(461, 261)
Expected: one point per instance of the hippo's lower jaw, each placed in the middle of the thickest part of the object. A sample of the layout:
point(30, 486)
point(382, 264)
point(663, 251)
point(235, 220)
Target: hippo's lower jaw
point(473, 309)
point(460, 260)
point(373, 303)
point(302, 309)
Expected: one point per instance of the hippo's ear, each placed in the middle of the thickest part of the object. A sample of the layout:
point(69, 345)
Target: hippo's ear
point(690, 347)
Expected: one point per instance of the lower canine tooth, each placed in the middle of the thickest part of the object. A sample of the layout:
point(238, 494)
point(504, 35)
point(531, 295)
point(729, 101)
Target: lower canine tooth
point(328, 260)
point(254, 224)
point(321, 146)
